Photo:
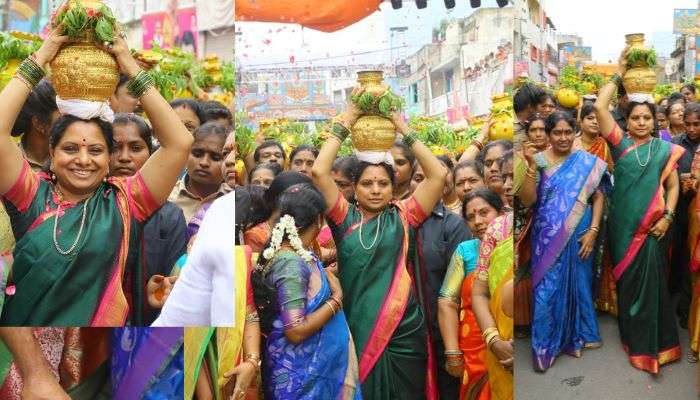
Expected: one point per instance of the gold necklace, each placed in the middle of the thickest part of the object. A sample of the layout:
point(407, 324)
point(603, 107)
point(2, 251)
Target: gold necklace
point(454, 204)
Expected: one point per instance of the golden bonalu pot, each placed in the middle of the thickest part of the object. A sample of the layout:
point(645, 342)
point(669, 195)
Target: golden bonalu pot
point(83, 71)
point(640, 77)
point(373, 132)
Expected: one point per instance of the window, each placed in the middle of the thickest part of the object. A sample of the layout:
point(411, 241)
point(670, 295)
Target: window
point(414, 93)
point(448, 81)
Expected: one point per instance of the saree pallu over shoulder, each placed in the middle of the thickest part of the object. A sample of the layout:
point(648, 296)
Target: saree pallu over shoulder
point(380, 302)
point(562, 199)
point(638, 198)
point(500, 271)
point(84, 288)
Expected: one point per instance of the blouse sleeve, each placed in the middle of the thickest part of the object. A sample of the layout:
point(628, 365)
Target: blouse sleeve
point(139, 197)
point(339, 211)
point(414, 212)
point(290, 279)
point(24, 189)
point(452, 284)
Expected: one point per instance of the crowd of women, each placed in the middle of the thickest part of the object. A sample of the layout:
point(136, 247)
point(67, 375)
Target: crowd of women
point(387, 280)
point(607, 219)
point(96, 220)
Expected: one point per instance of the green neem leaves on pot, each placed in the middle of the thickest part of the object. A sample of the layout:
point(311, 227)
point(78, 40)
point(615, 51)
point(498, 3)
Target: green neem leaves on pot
point(79, 22)
point(383, 104)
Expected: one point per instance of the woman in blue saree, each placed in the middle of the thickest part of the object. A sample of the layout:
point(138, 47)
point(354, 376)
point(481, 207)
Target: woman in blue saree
point(309, 352)
point(567, 211)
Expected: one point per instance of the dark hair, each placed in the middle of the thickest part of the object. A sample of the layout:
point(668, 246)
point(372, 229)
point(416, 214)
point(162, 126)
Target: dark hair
point(621, 91)
point(661, 110)
point(303, 147)
point(305, 204)
point(506, 157)
point(675, 96)
point(473, 164)
point(192, 105)
point(586, 110)
point(406, 152)
point(40, 103)
point(528, 95)
point(691, 108)
point(266, 144)
point(447, 161)
point(281, 182)
point(141, 125)
point(363, 165)
point(345, 165)
point(504, 144)
point(58, 129)
point(210, 128)
point(270, 166)
point(548, 95)
point(213, 110)
point(533, 118)
point(689, 86)
point(250, 208)
point(488, 195)
point(557, 116)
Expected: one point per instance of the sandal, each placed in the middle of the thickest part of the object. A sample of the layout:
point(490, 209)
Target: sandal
point(691, 357)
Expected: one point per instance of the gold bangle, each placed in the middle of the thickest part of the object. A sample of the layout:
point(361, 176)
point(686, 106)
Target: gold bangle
point(488, 331)
point(493, 340)
point(332, 307)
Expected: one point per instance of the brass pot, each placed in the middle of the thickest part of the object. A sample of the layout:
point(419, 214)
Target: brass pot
point(500, 103)
point(371, 81)
point(639, 80)
point(84, 71)
point(373, 133)
point(635, 40)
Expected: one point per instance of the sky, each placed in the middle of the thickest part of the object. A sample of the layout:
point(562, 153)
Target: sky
point(604, 23)
point(269, 45)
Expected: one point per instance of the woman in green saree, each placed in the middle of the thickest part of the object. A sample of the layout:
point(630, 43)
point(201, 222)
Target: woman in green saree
point(643, 202)
point(375, 266)
point(74, 225)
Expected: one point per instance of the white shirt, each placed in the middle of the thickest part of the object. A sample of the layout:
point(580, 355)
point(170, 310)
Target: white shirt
point(204, 293)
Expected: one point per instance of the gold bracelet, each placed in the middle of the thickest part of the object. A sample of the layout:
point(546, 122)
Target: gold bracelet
point(493, 340)
point(332, 307)
point(487, 331)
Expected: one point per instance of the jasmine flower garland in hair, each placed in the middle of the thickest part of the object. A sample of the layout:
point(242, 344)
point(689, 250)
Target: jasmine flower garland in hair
point(288, 225)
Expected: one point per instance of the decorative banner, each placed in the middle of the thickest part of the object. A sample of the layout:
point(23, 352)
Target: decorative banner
point(575, 55)
point(168, 31)
point(322, 15)
point(684, 21)
point(294, 94)
point(28, 15)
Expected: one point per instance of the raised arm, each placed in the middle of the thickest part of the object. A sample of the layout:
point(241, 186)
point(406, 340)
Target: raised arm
point(602, 104)
point(429, 191)
point(165, 165)
point(528, 190)
point(321, 171)
point(472, 152)
point(12, 99)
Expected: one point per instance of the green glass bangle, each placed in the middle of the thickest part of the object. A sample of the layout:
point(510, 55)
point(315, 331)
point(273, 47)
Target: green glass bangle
point(409, 139)
point(339, 131)
point(139, 84)
point(616, 79)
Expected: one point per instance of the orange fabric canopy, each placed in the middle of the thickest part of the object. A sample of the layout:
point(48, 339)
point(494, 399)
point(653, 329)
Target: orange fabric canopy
point(322, 15)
